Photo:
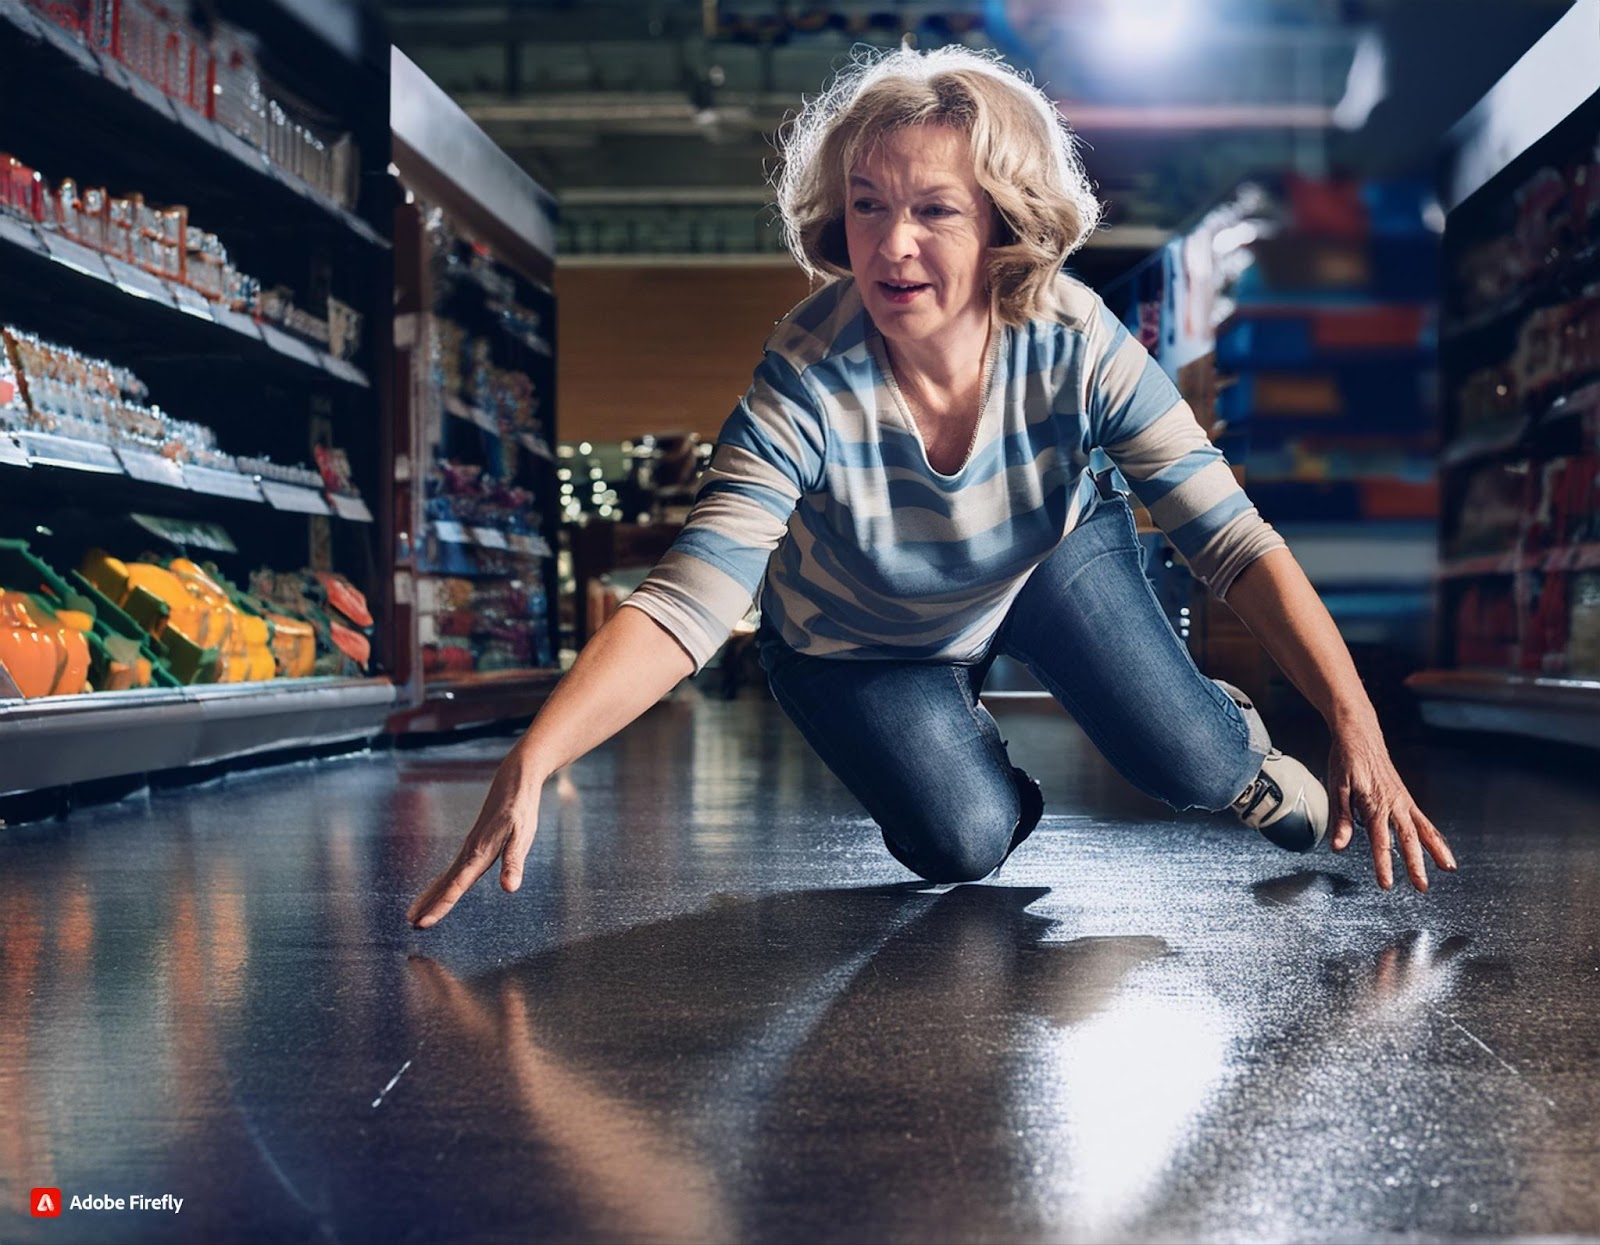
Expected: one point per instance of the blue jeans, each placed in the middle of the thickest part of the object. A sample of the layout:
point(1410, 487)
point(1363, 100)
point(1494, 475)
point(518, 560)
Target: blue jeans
point(912, 742)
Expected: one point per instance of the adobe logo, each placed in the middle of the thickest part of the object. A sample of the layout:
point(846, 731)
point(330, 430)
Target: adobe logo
point(45, 1203)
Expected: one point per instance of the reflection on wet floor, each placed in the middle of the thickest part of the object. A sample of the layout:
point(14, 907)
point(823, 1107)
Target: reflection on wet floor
point(718, 1011)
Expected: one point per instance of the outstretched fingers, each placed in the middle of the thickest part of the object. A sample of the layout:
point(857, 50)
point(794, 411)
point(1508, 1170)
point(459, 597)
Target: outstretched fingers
point(1377, 823)
point(1434, 842)
point(1344, 827)
point(446, 890)
point(516, 852)
point(1411, 848)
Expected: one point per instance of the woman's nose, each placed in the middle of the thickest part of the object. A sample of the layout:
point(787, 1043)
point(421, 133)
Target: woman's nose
point(900, 238)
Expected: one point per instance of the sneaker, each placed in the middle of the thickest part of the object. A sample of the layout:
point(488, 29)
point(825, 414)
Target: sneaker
point(1286, 803)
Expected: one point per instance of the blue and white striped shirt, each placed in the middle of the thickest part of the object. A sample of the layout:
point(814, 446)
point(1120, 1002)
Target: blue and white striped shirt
point(886, 557)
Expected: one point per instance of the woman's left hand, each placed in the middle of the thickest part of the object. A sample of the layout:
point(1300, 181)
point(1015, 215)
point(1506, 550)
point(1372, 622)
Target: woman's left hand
point(1362, 783)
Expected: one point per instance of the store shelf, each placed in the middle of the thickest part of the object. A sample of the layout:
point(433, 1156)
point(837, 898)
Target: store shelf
point(1511, 612)
point(1303, 335)
point(1495, 440)
point(103, 85)
point(454, 533)
point(1564, 710)
point(456, 701)
point(1583, 557)
point(1569, 278)
point(181, 316)
point(487, 423)
point(29, 450)
point(1485, 443)
point(61, 740)
point(1401, 552)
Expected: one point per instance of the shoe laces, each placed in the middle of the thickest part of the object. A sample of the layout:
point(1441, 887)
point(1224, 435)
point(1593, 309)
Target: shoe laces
point(1260, 788)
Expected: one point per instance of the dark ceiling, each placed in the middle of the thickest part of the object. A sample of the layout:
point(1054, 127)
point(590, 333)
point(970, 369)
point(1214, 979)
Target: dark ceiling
point(652, 120)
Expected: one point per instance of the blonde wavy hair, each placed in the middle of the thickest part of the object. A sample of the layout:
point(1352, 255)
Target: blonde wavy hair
point(1024, 155)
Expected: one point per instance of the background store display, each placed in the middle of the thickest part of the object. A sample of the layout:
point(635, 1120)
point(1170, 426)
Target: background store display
point(189, 314)
point(1298, 319)
point(1521, 533)
point(478, 629)
point(1518, 595)
point(51, 391)
point(164, 620)
point(162, 242)
point(217, 77)
point(488, 610)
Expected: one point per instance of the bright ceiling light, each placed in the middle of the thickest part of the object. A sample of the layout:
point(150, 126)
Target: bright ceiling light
point(1148, 27)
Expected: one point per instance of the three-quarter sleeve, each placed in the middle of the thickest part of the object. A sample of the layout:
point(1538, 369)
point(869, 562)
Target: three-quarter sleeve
point(768, 455)
point(1138, 417)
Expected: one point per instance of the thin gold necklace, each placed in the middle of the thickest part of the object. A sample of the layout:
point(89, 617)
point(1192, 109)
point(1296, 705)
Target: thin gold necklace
point(916, 406)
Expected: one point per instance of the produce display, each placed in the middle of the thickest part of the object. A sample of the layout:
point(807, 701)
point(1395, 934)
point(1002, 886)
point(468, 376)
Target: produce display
point(112, 625)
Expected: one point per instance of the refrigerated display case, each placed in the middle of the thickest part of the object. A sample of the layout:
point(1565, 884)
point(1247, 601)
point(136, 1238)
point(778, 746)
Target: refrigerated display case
point(476, 493)
point(1518, 592)
point(195, 255)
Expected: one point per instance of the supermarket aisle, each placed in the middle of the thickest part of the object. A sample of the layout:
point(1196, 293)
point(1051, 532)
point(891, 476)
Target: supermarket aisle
point(717, 1012)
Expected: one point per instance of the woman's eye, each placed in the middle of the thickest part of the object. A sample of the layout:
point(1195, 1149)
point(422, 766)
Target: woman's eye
point(938, 209)
point(864, 205)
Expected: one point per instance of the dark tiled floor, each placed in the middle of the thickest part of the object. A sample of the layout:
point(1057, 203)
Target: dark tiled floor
point(717, 1012)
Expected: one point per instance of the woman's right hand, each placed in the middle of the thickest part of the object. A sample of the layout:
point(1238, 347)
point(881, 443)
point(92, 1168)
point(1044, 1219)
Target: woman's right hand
point(504, 831)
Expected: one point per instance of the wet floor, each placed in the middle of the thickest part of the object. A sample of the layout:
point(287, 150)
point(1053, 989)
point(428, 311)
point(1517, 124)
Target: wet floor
point(718, 1012)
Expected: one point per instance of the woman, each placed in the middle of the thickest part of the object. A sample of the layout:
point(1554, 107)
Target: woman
point(908, 472)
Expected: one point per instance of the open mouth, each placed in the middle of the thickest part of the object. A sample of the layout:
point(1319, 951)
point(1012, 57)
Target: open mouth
point(901, 291)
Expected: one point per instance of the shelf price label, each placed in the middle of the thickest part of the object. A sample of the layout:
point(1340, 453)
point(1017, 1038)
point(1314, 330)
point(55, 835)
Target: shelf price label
point(535, 445)
point(196, 533)
point(152, 468)
point(13, 12)
point(48, 450)
point(294, 497)
point(137, 281)
point(451, 532)
point(20, 233)
point(489, 538)
point(152, 95)
point(69, 45)
point(352, 508)
point(195, 304)
point(288, 344)
point(240, 150)
point(72, 255)
point(216, 483)
point(346, 371)
point(229, 318)
point(12, 454)
point(532, 544)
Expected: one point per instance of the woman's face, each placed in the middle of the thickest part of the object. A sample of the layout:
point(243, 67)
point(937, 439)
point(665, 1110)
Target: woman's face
point(917, 225)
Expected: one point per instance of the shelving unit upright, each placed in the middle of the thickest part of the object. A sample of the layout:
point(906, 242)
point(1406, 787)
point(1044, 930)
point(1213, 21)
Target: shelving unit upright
point(476, 629)
point(1518, 593)
point(82, 105)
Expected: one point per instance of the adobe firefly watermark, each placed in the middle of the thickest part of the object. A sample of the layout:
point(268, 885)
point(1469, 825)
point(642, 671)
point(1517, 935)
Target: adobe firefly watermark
point(48, 1203)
